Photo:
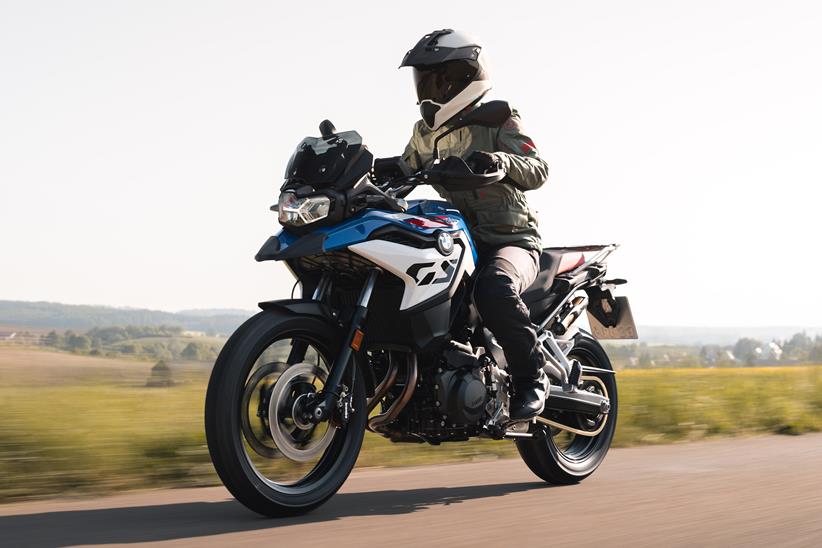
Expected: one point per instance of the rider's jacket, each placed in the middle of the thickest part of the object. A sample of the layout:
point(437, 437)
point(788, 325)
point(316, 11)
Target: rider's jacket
point(498, 214)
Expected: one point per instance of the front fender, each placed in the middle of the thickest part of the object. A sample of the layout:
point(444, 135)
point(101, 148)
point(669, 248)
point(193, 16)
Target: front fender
point(305, 307)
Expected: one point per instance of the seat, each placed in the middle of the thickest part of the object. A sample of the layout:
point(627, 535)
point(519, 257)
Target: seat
point(552, 262)
point(549, 262)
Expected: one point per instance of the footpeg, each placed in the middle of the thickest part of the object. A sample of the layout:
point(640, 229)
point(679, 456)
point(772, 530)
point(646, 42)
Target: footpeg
point(519, 429)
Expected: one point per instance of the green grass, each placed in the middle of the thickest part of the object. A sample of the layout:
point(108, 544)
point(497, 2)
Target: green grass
point(88, 432)
point(682, 404)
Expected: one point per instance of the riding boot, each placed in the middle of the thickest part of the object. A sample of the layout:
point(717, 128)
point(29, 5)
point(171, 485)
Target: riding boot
point(528, 398)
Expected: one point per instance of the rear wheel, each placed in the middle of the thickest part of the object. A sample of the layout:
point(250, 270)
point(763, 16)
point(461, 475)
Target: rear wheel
point(268, 456)
point(562, 457)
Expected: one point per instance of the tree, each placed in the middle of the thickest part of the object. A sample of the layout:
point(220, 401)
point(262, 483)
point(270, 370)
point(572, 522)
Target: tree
point(54, 339)
point(160, 375)
point(798, 347)
point(710, 354)
point(745, 350)
point(79, 343)
point(191, 352)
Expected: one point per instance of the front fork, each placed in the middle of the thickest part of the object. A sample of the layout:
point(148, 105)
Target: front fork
point(323, 405)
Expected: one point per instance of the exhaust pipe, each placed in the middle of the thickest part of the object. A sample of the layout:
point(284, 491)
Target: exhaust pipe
point(386, 385)
point(379, 421)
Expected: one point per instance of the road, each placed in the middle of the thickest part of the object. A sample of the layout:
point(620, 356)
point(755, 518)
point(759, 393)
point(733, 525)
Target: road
point(764, 491)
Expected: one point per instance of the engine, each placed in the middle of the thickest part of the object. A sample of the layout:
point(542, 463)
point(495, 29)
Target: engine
point(450, 402)
point(462, 395)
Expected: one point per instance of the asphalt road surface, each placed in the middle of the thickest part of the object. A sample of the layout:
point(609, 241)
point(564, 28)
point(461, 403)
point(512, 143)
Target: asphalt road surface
point(763, 491)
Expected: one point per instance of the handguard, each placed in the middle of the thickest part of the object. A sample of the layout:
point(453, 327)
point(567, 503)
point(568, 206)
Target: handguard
point(453, 174)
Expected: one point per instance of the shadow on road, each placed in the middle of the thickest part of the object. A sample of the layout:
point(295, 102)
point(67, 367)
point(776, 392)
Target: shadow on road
point(198, 519)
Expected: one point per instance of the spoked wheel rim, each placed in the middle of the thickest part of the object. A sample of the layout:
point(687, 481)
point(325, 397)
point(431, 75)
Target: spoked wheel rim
point(283, 450)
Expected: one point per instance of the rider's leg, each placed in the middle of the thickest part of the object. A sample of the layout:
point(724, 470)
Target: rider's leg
point(504, 274)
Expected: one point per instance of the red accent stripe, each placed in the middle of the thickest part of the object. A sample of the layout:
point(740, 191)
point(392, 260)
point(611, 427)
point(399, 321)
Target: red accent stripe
point(425, 223)
point(527, 146)
point(570, 261)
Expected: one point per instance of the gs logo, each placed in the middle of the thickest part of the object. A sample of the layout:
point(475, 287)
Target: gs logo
point(427, 273)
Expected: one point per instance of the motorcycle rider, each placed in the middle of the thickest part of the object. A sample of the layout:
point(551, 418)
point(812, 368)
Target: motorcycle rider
point(451, 76)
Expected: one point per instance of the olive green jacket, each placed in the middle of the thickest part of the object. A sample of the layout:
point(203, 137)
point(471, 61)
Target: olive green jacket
point(498, 214)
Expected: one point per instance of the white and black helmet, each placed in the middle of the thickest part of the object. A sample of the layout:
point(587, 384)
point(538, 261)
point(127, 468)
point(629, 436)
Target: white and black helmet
point(450, 74)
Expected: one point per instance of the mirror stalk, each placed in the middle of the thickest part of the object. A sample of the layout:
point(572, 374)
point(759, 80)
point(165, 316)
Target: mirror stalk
point(490, 114)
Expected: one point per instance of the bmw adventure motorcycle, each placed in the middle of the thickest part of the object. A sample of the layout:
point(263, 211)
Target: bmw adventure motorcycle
point(386, 338)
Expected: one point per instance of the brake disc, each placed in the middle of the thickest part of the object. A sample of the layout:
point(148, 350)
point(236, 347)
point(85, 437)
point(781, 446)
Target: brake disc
point(294, 440)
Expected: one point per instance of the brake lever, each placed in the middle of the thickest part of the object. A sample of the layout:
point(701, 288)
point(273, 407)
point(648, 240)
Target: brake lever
point(396, 204)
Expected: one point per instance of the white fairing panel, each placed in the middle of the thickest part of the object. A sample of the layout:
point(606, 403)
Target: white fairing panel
point(425, 272)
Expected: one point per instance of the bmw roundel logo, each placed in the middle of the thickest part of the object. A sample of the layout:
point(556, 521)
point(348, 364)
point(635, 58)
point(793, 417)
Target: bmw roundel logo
point(445, 243)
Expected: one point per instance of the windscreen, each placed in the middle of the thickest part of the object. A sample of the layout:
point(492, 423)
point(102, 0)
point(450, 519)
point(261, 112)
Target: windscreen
point(323, 162)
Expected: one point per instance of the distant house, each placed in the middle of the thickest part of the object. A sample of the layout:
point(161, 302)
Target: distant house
point(772, 351)
point(767, 354)
point(713, 354)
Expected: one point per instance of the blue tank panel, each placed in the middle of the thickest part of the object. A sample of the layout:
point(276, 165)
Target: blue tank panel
point(359, 227)
point(444, 211)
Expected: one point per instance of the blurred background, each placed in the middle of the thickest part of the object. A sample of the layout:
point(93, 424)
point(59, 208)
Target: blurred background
point(141, 144)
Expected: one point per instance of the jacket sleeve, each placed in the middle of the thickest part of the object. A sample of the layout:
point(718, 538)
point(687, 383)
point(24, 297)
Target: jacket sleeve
point(414, 160)
point(519, 155)
point(412, 154)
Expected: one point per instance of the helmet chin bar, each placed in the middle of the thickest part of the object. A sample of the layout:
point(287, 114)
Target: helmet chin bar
point(442, 113)
point(428, 110)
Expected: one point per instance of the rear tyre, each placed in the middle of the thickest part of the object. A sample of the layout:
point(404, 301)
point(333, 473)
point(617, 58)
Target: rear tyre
point(563, 458)
point(272, 461)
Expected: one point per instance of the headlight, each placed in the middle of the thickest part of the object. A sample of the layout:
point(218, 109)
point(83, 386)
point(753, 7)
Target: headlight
point(295, 211)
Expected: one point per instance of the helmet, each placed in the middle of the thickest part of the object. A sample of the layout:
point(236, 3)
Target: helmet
point(450, 74)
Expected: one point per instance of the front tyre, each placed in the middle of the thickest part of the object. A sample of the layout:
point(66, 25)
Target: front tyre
point(268, 457)
point(559, 456)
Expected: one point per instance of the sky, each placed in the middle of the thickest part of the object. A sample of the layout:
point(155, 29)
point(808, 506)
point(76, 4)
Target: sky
point(141, 143)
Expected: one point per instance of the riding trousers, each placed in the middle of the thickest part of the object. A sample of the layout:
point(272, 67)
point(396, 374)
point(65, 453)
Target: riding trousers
point(503, 274)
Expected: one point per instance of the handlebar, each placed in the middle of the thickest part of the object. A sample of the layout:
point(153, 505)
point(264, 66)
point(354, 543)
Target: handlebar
point(453, 174)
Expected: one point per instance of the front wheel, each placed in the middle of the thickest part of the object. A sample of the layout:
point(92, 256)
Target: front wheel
point(562, 457)
point(268, 456)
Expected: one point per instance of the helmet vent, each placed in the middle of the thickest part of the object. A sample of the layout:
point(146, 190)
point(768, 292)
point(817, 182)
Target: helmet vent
point(435, 36)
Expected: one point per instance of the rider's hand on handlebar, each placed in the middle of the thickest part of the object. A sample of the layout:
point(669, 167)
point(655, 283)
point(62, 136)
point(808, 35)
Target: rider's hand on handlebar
point(483, 162)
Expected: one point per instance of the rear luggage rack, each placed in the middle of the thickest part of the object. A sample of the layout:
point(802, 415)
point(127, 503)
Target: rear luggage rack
point(602, 251)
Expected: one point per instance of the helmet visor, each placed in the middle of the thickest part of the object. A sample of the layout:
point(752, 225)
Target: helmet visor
point(441, 83)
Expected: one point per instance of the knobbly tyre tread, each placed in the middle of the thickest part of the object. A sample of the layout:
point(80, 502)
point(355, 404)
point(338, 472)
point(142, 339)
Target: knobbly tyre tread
point(540, 457)
point(222, 422)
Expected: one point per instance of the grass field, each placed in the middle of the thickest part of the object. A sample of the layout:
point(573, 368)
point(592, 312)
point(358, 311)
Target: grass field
point(77, 424)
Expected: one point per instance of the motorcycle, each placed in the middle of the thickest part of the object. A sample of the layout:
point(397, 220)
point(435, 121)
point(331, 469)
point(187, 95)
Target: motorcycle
point(387, 339)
